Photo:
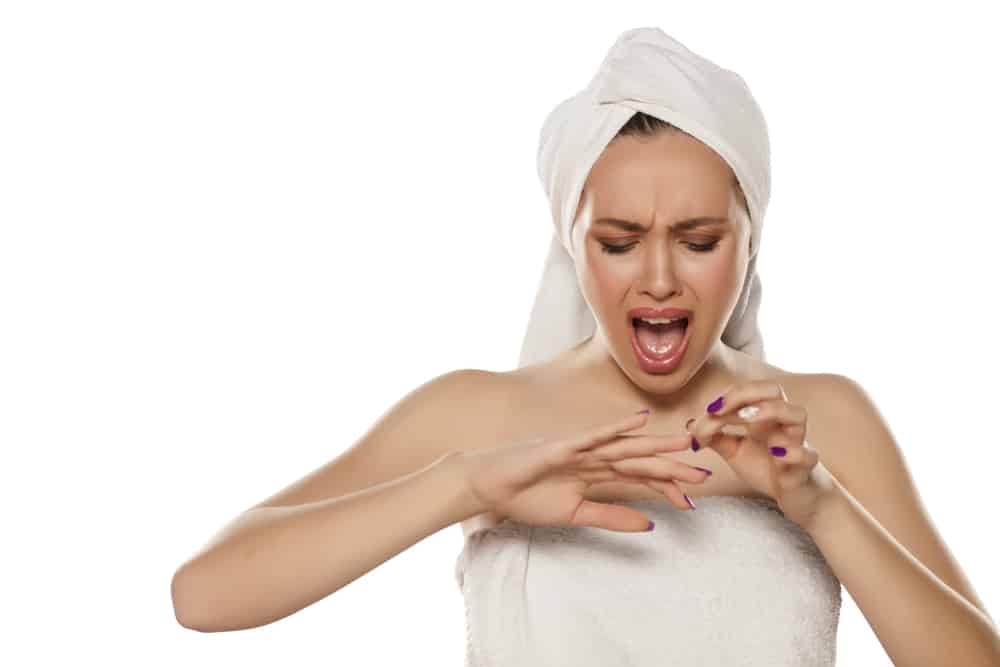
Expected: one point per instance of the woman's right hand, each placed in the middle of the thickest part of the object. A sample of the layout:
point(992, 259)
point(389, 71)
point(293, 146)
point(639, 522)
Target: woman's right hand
point(542, 482)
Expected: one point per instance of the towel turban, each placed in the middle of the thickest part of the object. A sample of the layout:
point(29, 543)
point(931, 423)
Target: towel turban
point(645, 70)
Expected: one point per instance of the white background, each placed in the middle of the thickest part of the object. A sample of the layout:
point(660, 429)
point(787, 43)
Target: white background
point(235, 233)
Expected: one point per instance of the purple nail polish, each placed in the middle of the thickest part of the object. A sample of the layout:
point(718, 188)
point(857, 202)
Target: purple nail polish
point(689, 501)
point(778, 451)
point(650, 526)
point(646, 411)
point(704, 469)
point(694, 444)
point(715, 405)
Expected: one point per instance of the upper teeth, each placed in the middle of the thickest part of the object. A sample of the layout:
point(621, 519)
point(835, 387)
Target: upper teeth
point(660, 320)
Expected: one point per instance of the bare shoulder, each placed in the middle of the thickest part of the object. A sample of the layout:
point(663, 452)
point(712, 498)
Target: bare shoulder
point(836, 401)
point(448, 413)
point(823, 395)
point(828, 395)
point(438, 415)
point(833, 402)
point(455, 403)
point(483, 396)
point(798, 386)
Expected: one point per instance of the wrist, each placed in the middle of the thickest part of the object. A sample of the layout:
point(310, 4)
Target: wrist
point(825, 517)
point(469, 503)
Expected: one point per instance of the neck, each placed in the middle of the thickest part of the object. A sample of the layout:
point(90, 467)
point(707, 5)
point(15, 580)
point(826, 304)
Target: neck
point(685, 391)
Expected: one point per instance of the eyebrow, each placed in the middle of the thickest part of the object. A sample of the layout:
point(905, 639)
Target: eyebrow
point(690, 223)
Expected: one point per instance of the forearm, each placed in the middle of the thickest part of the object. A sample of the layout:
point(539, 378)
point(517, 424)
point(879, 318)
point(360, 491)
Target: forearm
point(273, 561)
point(918, 619)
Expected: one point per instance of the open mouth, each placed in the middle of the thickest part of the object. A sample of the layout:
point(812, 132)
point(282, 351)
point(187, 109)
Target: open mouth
point(659, 328)
point(659, 341)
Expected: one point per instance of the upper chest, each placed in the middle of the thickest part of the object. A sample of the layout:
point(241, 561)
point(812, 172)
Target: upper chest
point(551, 414)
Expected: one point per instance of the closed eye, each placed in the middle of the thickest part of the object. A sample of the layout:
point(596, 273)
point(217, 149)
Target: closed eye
point(621, 249)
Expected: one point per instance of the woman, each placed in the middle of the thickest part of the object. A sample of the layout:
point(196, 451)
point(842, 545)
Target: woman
point(550, 476)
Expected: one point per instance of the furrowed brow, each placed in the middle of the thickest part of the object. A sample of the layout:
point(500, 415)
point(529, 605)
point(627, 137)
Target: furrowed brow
point(683, 225)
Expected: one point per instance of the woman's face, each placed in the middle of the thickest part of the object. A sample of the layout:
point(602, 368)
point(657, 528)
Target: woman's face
point(655, 184)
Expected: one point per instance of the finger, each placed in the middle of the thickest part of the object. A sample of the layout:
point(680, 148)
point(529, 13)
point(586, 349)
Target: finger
point(762, 412)
point(798, 471)
point(726, 445)
point(599, 475)
point(668, 488)
point(640, 445)
point(708, 429)
point(591, 462)
point(671, 491)
point(743, 394)
point(610, 517)
point(567, 451)
point(792, 418)
point(610, 475)
point(624, 477)
point(604, 433)
point(661, 467)
point(627, 446)
point(762, 421)
point(784, 449)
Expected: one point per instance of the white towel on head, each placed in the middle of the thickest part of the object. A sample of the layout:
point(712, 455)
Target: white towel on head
point(645, 70)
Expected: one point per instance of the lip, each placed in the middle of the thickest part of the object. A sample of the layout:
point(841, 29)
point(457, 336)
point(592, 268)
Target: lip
point(653, 365)
point(658, 312)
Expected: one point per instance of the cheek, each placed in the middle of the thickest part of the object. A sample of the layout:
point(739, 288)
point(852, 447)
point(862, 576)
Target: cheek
point(716, 276)
point(603, 283)
point(603, 276)
point(610, 275)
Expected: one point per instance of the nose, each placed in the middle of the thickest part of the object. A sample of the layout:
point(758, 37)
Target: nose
point(659, 275)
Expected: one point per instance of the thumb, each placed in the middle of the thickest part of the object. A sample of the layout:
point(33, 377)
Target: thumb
point(610, 517)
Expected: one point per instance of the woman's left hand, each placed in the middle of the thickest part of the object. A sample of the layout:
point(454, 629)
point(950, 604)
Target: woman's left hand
point(768, 449)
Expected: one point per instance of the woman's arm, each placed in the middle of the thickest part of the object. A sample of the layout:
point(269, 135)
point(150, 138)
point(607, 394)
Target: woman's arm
point(918, 619)
point(921, 616)
point(275, 561)
point(393, 487)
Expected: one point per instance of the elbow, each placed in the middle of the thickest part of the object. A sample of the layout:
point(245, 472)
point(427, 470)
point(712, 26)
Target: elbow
point(196, 608)
point(184, 595)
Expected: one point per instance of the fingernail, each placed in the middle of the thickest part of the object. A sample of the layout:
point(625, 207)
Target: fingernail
point(715, 405)
point(647, 411)
point(688, 422)
point(704, 469)
point(650, 527)
point(778, 451)
point(694, 444)
point(689, 501)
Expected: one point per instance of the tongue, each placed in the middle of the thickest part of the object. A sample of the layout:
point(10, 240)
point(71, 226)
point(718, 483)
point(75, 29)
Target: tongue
point(659, 340)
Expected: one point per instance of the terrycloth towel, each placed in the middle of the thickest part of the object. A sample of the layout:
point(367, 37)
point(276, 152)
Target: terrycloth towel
point(645, 70)
point(731, 584)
